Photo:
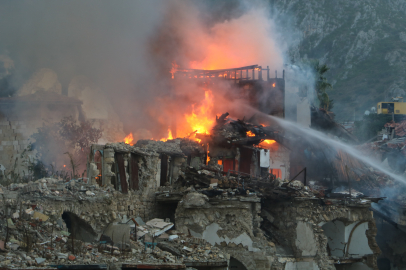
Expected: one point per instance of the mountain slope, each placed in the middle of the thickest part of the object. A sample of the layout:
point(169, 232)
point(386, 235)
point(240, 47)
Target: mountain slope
point(363, 42)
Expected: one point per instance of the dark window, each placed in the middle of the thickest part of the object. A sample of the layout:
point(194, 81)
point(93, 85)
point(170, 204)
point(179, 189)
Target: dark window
point(121, 172)
point(164, 170)
point(245, 160)
point(389, 106)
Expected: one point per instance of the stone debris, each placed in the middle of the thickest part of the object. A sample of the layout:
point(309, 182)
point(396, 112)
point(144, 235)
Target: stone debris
point(37, 237)
point(128, 215)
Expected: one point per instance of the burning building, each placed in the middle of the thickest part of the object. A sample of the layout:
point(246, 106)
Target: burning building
point(265, 196)
point(250, 192)
point(213, 181)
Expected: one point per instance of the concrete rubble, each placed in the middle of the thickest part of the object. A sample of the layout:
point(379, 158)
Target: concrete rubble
point(37, 234)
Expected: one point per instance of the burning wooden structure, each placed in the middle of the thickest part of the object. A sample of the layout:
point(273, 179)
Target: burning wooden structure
point(263, 92)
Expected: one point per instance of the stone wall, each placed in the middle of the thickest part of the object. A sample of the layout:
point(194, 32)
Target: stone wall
point(14, 142)
point(97, 211)
point(232, 225)
point(296, 228)
point(391, 238)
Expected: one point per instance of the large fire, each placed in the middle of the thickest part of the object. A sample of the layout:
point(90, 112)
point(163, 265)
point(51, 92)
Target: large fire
point(200, 120)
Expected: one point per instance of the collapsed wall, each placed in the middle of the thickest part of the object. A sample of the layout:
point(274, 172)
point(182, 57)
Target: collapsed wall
point(232, 224)
point(327, 232)
point(299, 233)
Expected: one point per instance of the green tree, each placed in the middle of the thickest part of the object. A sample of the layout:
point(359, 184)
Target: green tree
point(322, 85)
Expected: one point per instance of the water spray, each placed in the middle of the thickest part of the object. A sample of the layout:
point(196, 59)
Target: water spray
point(294, 127)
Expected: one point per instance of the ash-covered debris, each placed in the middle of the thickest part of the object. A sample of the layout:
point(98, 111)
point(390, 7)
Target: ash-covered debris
point(171, 147)
point(59, 189)
point(37, 230)
point(239, 131)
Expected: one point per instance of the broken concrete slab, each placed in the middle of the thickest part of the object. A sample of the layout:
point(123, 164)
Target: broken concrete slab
point(139, 221)
point(158, 223)
point(155, 227)
point(169, 248)
point(118, 233)
point(40, 260)
point(40, 216)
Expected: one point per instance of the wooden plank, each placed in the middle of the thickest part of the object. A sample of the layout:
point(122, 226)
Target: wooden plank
point(121, 171)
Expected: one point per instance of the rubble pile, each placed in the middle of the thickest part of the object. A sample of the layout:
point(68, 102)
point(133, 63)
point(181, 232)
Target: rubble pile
point(214, 183)
point(33, 236)
point(39, 243)
point(59, 189)
point(400, 128)
point(239, 131)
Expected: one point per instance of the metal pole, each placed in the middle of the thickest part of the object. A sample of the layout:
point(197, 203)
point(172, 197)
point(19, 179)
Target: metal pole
point(260, 73)
point(305, 173)
point(349, 182)
point(253, 73)
point(276, 74)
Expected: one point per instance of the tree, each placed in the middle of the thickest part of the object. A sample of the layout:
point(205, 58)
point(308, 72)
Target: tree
point(67, 138)
point(322, 85)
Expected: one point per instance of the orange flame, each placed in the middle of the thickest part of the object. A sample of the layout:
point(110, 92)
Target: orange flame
point(269, 144)
point(273, 85)
point(64, 166)
point(250, 133)
point(129, 139)
point(200, 120)
point(170, 137)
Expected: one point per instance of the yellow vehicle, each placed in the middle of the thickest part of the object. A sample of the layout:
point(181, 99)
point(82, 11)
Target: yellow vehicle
point(397, 107)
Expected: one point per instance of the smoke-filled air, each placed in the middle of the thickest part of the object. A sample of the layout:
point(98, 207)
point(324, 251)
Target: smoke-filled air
point(191, 134)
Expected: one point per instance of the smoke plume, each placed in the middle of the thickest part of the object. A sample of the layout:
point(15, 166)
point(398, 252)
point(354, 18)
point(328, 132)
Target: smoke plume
point(128, 49)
